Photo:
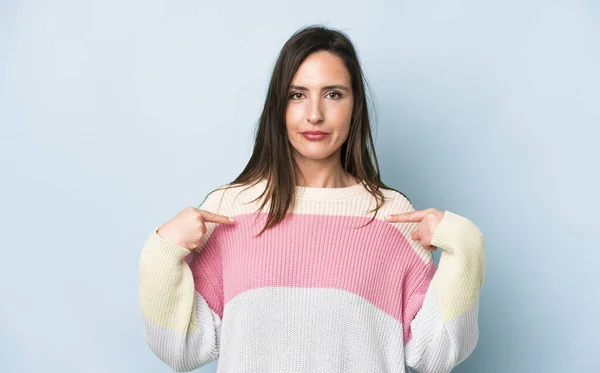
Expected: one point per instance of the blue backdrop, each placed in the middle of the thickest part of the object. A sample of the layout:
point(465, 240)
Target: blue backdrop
point(115, 115)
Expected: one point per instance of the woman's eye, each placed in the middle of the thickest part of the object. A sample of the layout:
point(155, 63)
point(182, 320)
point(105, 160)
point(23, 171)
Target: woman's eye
point(336, 93)
point(294, 95)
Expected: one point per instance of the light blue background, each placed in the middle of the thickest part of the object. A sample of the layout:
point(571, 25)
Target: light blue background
point(115, 115)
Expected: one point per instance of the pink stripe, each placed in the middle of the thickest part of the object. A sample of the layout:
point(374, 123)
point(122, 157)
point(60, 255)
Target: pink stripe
point(320, 251)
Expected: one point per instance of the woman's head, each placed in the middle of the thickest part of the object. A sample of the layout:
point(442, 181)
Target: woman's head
point(316, 56)
point(320, 98)
point(312, 58)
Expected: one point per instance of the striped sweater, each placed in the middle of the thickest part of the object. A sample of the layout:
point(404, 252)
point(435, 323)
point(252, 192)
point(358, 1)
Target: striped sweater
point(317, 293)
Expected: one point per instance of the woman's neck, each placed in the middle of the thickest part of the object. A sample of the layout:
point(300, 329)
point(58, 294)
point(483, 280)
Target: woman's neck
point(339, 180)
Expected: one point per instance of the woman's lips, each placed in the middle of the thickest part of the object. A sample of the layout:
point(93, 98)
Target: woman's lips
point(313, 136)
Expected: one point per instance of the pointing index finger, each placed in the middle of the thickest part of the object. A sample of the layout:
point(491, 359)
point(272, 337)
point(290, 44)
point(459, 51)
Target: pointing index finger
point(215, 218)
point(411, 216)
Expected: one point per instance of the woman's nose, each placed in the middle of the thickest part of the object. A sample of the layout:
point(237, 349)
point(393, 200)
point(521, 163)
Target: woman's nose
point(315, 114)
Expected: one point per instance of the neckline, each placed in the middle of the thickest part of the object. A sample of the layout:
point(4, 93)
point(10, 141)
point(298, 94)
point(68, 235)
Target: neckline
point(327, 194)
point(317, 193)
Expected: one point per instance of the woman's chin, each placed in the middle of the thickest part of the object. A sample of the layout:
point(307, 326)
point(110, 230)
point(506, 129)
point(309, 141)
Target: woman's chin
point(315, 155)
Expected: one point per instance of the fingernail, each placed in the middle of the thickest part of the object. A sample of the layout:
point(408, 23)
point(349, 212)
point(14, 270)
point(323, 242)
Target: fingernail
point(231, 220)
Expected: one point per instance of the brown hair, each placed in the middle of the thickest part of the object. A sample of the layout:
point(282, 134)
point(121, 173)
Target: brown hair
point(272, 157)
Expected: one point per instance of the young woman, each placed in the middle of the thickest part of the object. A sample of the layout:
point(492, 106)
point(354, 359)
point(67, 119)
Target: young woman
point(323, 268)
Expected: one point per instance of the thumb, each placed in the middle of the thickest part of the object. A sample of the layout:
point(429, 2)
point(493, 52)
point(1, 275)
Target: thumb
point(215, 218)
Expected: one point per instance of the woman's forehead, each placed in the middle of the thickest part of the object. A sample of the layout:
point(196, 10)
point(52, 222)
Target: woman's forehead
point(321, 69)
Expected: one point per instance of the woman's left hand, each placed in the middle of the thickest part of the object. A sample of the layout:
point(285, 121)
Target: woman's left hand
point(428, 220)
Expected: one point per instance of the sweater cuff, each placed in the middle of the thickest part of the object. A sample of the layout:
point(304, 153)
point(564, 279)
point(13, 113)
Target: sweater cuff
point(167, 251)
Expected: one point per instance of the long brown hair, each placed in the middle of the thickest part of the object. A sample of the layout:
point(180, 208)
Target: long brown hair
point(272, 157)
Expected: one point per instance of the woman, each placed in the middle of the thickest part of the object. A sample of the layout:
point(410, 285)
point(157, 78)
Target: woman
point(338, 275)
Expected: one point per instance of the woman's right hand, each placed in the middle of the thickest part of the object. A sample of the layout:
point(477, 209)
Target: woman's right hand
point(188, 227)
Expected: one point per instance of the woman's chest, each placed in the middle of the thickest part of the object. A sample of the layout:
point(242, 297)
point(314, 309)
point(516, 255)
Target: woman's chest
point(315, 251)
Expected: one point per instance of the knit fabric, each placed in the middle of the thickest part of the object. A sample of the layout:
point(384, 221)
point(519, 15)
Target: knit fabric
point(323, 291)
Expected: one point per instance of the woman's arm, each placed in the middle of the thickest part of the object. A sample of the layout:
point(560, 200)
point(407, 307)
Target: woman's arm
point(180, 305)
point(445, 330)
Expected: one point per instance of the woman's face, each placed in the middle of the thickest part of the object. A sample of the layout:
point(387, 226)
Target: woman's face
point(320, 99)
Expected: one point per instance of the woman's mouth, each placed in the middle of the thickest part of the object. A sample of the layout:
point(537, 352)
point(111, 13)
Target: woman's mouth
point(314, 136)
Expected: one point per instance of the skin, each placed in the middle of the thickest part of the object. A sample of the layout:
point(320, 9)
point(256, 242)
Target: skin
point(316, 107)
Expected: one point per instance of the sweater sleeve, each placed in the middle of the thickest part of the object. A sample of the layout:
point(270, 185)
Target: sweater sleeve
point(180, 302)
point(445, 329)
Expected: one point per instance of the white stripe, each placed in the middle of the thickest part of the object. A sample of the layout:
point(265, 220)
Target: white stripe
point(437, 347)
point(184, 353)
point(293, 329)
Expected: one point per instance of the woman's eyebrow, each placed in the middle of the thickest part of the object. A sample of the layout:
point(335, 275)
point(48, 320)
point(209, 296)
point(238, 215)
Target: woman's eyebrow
point(336, 86)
